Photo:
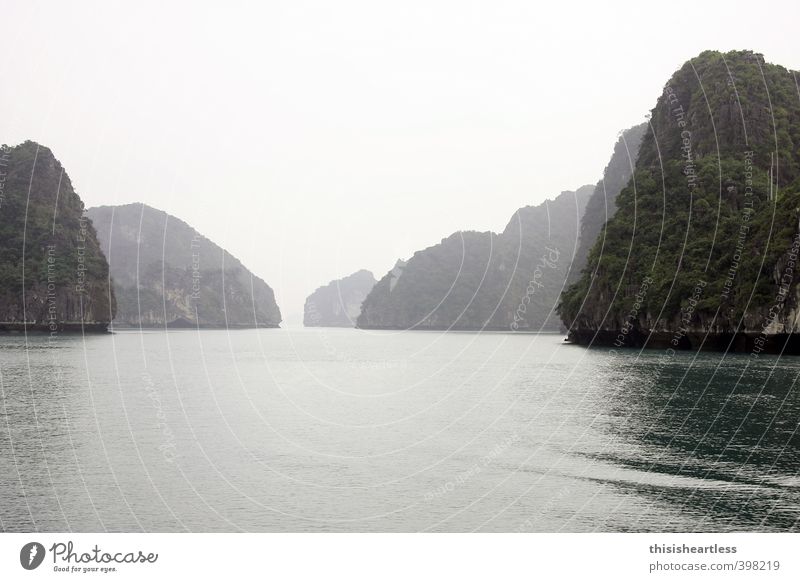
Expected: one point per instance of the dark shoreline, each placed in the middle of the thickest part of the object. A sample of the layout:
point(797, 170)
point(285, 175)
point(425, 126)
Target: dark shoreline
point(495, 329)
point(739, 342)
point(104, 328)
point(69, 328)
point(168, 326)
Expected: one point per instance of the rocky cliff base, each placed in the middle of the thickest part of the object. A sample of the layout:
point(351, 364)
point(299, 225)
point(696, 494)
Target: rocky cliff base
point(754, 343)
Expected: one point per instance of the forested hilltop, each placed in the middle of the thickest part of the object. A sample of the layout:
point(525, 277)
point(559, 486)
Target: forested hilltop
point(482, 280)
point(53, 275)
point(338, 304)
point(702, 250)
point(166, 274)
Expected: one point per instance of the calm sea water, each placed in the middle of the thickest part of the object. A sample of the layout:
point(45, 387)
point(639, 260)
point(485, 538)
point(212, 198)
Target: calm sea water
point(347, 430)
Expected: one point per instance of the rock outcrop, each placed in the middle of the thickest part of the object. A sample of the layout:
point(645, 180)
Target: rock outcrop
point(53, 275)
point(482, 280)
point(166, 274)
point(602, 203)
point(702, 251)
point(338, 304)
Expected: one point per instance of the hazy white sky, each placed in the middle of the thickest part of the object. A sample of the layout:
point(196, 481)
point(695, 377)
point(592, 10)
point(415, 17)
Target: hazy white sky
point(313, 139)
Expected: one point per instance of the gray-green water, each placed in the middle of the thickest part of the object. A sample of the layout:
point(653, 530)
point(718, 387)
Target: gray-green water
point(346, 430)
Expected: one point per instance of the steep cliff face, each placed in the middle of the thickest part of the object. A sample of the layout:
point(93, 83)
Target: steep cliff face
point(702, 250)
point(167, 274)
point(53, 275)
point(482, 280)
point(338, 304)
point(602, 203)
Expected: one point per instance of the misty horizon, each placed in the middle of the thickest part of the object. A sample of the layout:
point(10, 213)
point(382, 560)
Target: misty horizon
point(301, 123)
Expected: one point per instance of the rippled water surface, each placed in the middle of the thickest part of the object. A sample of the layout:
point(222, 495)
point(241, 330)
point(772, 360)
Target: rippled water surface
point(347, 430)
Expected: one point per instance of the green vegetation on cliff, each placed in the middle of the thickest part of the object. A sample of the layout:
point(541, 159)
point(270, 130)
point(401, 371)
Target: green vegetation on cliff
point(167, 274)
point(602, 203)
point(52, 272)
point(704, 235)
point(482, 280)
